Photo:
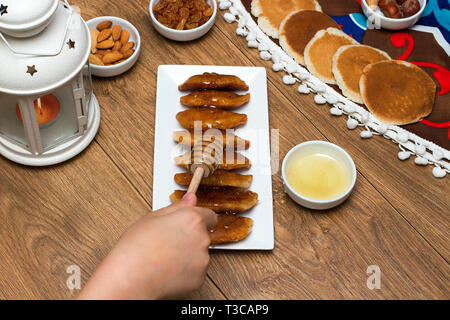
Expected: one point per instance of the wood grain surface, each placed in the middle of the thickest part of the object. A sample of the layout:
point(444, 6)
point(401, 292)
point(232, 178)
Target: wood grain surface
point(72, 214)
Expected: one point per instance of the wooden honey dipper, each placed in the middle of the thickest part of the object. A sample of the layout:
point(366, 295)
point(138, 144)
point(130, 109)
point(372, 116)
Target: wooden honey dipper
point(205, 157)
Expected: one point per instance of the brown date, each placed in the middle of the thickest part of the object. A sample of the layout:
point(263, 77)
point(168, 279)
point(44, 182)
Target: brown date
point(392, 10)
point(410, 7)
point(384, 3)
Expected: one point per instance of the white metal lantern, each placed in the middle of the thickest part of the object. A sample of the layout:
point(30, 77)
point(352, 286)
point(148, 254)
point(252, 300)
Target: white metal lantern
point(48, 113)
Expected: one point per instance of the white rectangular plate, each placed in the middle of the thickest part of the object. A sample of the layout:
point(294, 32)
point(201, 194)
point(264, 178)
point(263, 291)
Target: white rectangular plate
point(256, 130)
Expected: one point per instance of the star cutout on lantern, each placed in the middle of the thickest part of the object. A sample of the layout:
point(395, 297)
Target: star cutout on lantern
point(3, 9)
point(71, 44)
point(31, 70)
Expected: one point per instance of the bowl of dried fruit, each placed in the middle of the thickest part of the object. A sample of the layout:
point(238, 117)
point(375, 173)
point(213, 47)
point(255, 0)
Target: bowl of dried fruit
point(115, 46)
point(183, 20)
point(393, 14)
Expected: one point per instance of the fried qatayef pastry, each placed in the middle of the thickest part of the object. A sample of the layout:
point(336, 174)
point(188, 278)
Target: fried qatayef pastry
point(271, 13)
point(220, 178)
point(231, 160)
point(221, 199)
point(213, 81)
point(211, 118)
point(216, 98)
point(229, 140)
point(230, 228)
point(348, 65)
point(299, 27)
point(397, 92)
point(320, 50)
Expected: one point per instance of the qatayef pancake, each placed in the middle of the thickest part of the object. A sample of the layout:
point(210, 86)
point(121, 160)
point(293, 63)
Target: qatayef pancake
point(271, 13)
point(299, 27)
point(348, 65)
point(320, 50)
point(397, 92)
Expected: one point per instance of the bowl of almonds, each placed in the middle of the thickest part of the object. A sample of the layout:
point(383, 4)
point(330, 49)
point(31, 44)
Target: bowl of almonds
point(115, 46)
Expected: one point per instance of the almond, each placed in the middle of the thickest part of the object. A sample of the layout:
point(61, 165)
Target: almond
point(117, 46)
point(95, 60)
point(107, 44)
point(99, 56)
point(102, 52)
point(116, 32)
point(104, 34)
point(127, 47)
point(125, 36)
point(112, 57)
point(120, 61)
point(104, 25)
point(128, 53)
point(94, 35)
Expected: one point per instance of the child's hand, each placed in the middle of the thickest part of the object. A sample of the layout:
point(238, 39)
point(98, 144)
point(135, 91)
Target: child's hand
point(162, 255)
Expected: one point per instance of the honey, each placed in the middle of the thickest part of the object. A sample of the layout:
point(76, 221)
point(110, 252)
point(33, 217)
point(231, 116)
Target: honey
point(318, 176)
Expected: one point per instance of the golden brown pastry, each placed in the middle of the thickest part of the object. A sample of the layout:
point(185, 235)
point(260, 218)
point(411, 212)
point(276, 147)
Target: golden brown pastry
point(216, 98)
point(220, 178)
point(213, 81)
point(231, 160)
point(221, 199)
point(230, 228)
point(229, 140)
point(211, 118)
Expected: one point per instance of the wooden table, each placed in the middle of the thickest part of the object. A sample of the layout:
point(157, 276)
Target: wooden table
point(73, 213)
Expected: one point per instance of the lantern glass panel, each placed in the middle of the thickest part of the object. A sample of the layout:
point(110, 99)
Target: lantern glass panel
point(10, 125)
point(65, 125)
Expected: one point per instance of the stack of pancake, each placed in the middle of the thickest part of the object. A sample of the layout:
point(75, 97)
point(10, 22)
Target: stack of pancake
point(396, 92)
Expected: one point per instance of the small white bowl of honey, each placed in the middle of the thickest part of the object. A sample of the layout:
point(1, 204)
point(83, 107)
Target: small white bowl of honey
point(318, 175)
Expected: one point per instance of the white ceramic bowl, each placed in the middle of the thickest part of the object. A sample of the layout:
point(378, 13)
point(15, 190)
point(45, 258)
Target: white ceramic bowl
point(326, 148)
point(183, 35)
point(117, 69)
point(378, 19)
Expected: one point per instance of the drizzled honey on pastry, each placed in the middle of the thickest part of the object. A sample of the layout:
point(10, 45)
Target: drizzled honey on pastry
point(230, 228)
point(213, 81)
point(210, 118)
point(221, 199)
point(216, 98)
point(231, 161)
point(229, 140)
point(220, 178)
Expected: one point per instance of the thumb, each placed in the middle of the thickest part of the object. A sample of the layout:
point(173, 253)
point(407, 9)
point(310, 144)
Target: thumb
point(188, 200)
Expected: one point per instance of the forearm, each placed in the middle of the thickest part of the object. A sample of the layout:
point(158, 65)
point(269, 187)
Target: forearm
point(114, 281)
